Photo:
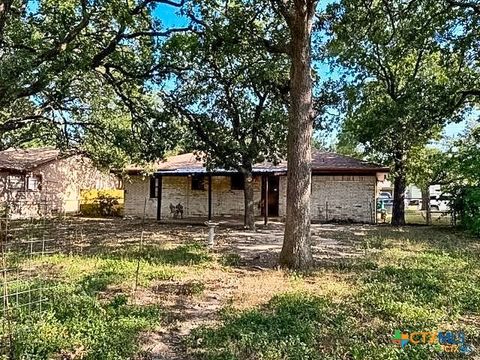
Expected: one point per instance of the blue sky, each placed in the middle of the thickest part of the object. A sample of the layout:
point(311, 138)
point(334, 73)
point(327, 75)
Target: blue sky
point(169, 17)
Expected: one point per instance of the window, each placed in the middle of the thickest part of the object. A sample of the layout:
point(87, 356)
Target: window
point(237, 182)
point(198, 182)
point(34, 183)
point(16, 182)
point(154, 187)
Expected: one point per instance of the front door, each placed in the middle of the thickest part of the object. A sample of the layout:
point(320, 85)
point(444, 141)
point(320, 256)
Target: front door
point(273, 195)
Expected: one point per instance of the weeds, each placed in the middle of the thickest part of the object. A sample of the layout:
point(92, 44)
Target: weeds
point(413, 281)
point(87, 309)
point(77, 323)
point(412, 278)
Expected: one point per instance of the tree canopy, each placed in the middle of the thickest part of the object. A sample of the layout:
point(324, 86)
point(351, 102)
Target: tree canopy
point(68, 68)
point(403, 78)
point(228, 89)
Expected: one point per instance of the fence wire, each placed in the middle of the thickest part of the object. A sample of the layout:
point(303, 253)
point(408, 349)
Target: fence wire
point(26, 279)
point(30, 278)
point(415, 213)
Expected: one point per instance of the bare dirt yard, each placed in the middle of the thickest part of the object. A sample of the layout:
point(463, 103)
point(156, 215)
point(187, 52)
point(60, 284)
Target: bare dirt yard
point(119, 289)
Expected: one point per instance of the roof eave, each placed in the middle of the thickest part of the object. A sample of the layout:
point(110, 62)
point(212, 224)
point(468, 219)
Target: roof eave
point(326, 171)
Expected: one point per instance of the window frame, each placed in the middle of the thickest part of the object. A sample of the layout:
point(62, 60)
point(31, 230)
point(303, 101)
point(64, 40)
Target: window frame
point(197, 183)
point(154, 187)
point(21, 182)
point(38, 179)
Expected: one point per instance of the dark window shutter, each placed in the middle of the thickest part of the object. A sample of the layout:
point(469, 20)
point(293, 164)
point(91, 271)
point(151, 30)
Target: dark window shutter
point(237, 182)
point(153, 187)
point(198, 182)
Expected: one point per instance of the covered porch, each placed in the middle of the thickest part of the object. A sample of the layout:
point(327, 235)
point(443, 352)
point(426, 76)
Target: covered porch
point(199, 196)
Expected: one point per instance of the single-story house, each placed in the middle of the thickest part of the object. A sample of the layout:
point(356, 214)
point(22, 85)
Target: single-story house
point(43, 181)
point(343, 189)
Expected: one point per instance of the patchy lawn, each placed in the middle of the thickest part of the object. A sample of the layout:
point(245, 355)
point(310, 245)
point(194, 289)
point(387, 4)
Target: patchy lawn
point(163, 295)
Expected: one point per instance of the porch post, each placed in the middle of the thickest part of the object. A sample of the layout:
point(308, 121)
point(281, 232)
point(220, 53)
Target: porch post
point(265, 200)
point(159, 197)
point(209, 197)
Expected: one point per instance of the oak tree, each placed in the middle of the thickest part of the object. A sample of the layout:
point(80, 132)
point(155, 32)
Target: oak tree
point(228, 90)
point(403, 77)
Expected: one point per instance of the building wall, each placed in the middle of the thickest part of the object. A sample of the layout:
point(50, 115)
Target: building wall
point(178, 190)
point(61, 182)
point(341, 198)
point(137, 200)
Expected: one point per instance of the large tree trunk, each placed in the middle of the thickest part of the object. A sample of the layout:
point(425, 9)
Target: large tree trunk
point(296, 251)
point(399, 186)
point(249, 220)
point(426, 204)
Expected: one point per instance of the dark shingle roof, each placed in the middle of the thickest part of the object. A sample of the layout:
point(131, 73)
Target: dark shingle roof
point(329, 161)
point(27, 159)
point(322, 162)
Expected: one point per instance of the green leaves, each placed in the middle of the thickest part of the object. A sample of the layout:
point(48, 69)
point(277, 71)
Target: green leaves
point(76, 73)
point(226, 87)
point(404, 78)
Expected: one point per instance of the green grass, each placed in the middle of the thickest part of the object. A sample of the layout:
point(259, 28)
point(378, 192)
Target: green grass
point(413, 216)
point(417, 279)
point(410, 279)
point(81, 317)
point(75, 322)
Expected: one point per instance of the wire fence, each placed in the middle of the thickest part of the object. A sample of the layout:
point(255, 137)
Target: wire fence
point(29, 273)
point(416, 213)
point(26, 281)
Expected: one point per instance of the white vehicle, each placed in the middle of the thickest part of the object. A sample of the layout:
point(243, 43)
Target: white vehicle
point(439, 203)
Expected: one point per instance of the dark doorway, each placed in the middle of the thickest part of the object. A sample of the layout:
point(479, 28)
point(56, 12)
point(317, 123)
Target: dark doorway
point(273, 195)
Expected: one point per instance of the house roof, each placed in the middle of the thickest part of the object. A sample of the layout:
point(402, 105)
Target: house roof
point(322, 163)
point(27, 159)
point(332, 162)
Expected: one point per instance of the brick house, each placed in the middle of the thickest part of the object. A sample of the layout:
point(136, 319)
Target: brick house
point(43, 181)
point(343, 189)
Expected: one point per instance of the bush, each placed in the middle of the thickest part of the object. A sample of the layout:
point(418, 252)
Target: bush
point(466, 204)
point(101, 203)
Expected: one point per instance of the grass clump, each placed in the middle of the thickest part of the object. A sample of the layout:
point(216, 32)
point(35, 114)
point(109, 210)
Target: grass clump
point(298, 326)
point(75, 323)
point(285, 328)
point(230, 259)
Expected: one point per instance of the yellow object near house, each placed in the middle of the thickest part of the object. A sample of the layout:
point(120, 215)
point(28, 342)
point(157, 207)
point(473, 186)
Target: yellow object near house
point(102, 202)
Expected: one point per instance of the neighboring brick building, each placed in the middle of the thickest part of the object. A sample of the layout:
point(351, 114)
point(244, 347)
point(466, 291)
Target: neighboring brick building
point(343, 189)
point(43, 181)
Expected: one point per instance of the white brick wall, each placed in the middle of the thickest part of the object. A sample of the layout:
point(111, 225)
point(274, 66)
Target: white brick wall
point(137, 191)
point(178, 189)
point(333, 197)
point(345, 198)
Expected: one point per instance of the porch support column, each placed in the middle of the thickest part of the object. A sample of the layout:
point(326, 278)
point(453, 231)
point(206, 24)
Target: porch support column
point(265, 201)
point(209, 197)
point(159, 196)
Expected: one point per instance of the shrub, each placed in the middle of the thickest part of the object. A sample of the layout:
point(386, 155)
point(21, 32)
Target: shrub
point(466, 204)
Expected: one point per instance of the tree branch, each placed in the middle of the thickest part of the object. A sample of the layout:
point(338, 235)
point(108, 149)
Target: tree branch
point(466, 5)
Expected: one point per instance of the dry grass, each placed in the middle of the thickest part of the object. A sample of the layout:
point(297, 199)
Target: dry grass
point(257, 289)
